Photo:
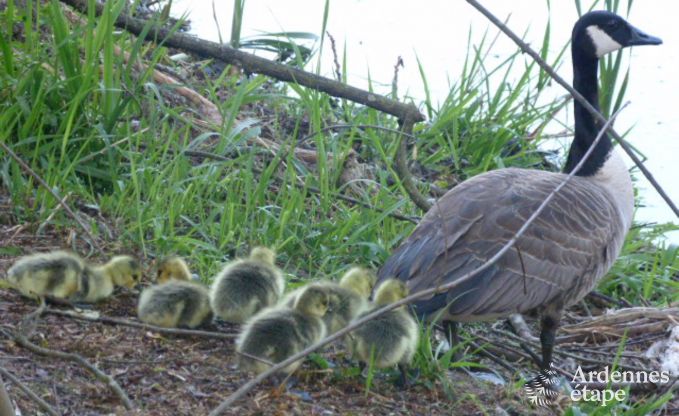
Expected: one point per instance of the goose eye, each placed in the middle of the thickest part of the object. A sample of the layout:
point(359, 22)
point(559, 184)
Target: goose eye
point(613, 24)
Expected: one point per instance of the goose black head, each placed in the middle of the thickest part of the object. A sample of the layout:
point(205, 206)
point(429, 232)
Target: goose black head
point(600, 32)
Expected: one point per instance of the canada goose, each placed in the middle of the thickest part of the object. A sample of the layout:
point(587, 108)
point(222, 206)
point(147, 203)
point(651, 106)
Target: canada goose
point(347, 299)
point(278, 332)
point(244, 287)
point(175, 303)
point(172, 268)
point(98, 281)
point(390, 339)
point(563, 254)
point(55, 274)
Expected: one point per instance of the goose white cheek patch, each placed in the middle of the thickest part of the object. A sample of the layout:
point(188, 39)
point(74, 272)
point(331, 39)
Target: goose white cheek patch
point(602, 41)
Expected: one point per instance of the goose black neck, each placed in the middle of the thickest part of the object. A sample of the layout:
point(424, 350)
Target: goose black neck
point(585, 81)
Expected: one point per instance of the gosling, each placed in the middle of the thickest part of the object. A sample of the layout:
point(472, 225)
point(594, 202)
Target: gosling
point(347, 299)
point(390, 339)
point(175, 304)
point(98, 282)
point(279, 332)
point(173, 268)
point(56, 274)
point(244, 287)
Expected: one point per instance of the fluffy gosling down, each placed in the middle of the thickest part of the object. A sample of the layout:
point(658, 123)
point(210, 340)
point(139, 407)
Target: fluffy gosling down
point(390, 339)
point(244, 287)
point(172, 268)
point(99, 281)
point(347, 299)
point(176, 302)
point(55, 274)
point(65, 275)
point(281, 331)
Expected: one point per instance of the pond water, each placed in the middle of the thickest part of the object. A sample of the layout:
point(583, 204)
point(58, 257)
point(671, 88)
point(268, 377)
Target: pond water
point(375, 33)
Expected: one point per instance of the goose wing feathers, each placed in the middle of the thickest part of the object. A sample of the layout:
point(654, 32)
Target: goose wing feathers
point(559, 259)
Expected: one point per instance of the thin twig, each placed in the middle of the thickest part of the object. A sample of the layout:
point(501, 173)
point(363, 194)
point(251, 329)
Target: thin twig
point(244, 389)
point(576, 95)
point(125, 322)
point(108, 380)
point(401, 167)
point(28, 392)
point(49, 189)
point(338, 72)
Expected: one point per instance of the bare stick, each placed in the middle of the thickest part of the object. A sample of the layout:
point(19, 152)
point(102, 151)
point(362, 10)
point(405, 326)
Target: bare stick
point(44, 184)
point(401, 168)
point(125, 322)
point(576, 95)
point(244, 389)
point(108, 380)
point(256, 64)
point(40, 402)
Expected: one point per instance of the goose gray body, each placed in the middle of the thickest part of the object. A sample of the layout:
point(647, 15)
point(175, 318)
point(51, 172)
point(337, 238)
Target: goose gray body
point(567, 249)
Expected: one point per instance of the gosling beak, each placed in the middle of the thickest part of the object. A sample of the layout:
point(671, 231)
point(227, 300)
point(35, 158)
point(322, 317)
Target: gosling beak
point(641, 38)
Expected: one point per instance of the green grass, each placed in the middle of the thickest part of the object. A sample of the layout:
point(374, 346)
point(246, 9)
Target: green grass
point(92, 126)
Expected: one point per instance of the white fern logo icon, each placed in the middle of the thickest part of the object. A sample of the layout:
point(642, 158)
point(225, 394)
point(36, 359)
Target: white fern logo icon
point(541, 390)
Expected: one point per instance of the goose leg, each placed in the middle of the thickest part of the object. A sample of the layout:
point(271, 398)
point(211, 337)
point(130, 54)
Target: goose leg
point(403, 381)
point(452, 332)
point(550, 322)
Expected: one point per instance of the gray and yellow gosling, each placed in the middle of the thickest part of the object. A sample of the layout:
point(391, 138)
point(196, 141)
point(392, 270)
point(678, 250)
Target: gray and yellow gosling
point(347, 299)
point(390, 339)
point(99, 281)
point(246, 286)
point(278, 332)
point(175, 304)
point(65, 275)
point(172, 268)
point(56, 274)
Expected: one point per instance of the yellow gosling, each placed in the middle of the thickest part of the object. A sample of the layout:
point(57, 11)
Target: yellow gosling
point(175, 304)
point(246, 286)
point(390, 339)
point(279, 332)
point(98, 282)
point(172, 268)
point(55, 274)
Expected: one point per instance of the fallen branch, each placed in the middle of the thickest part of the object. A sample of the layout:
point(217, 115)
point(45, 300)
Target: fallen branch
point(244, 389)
point(108, 380)
point(576, 95)
point(401, 167)
point(125, 322)
point(49, 189)
point(255, 64)
point(28, 392)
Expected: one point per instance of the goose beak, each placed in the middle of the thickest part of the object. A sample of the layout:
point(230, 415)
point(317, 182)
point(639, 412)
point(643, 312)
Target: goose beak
point(641, 38)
